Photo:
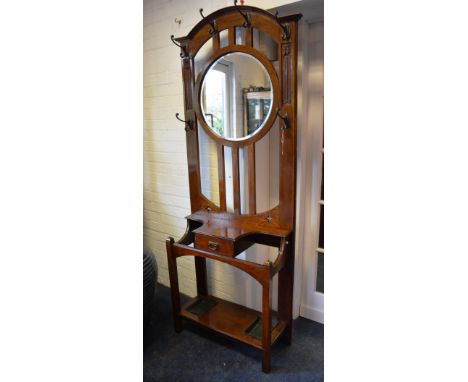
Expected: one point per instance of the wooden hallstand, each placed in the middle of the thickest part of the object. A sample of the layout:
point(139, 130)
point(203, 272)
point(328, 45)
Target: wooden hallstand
point(213, 232)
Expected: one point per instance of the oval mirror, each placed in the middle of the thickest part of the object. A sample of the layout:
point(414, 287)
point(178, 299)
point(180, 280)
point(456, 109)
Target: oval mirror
point(236, 96)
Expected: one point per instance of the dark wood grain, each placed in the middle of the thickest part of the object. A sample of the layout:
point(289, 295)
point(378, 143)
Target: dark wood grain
point(266, 326)
point(286, 285)
point(174, 280)
point(248, 37)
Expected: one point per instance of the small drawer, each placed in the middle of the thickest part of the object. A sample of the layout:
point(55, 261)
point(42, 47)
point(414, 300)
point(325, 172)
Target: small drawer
point(214, 244)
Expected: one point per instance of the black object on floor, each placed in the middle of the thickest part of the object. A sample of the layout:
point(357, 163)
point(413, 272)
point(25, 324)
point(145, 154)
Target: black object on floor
point(198, 355)
point(149, 285)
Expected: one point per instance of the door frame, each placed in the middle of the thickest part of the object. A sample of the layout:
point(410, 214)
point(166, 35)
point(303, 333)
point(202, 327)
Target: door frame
point(308, 302)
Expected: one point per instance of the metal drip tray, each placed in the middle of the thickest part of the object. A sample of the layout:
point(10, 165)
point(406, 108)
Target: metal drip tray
point(255, 328)
point(201, 306)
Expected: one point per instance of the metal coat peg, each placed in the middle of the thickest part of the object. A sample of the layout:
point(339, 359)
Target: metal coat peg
point(213, 29)
point(184, 50)
point(284, 27)
point(285, 118)
point(188, 124)
point(244, 15)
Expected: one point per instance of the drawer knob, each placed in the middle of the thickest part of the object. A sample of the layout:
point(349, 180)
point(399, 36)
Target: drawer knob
point(213, 246)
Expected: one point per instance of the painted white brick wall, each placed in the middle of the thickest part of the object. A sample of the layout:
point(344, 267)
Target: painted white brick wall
point(166, 189)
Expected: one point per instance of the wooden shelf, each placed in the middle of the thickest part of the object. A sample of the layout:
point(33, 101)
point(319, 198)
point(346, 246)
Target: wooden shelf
point(231, 320)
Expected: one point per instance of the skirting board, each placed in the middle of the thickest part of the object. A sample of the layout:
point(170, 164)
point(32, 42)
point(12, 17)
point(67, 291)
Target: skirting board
point(311, 313)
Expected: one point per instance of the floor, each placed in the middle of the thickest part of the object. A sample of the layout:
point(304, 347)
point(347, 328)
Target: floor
point(196, 354)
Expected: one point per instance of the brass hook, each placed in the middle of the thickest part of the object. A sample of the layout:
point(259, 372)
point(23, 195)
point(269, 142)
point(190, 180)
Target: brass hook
point(285, 118)
point(213, 29)
point(245, 16)
point(285, 28)
point(188, 124)
point(184, 50)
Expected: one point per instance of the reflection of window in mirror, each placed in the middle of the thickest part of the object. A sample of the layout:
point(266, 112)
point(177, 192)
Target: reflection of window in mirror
point(223, 100)
point(216, 97)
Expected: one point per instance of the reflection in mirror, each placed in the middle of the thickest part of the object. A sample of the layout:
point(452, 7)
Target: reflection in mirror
point(208, 166)
point(236, 96)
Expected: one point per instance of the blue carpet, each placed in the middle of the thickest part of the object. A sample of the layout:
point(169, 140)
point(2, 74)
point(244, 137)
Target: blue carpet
point(198, 355)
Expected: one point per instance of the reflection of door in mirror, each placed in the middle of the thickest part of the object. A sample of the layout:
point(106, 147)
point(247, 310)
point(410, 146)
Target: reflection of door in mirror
point(216, 97)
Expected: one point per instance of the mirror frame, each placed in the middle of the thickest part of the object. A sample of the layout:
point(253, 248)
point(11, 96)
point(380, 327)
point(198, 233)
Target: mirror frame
point(282, 30)
point(267, 124)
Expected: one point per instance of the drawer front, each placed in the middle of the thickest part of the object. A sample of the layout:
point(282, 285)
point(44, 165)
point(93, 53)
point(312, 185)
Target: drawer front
point(214, 244)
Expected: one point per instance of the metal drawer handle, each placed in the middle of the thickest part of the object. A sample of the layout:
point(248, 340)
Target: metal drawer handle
point(213, 246)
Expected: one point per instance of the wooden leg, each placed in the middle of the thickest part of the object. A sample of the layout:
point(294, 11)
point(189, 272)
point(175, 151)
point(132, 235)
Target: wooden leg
point(200, 272)
point(266, 327)
point(174, 280)
point(285, 291)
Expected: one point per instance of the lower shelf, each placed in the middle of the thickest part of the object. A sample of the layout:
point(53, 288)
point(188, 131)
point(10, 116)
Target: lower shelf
point(231, 320)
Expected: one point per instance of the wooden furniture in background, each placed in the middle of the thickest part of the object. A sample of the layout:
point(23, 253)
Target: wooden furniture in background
point(213, 232)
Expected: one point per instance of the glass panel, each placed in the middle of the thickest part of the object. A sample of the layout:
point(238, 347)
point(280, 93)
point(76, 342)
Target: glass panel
point(208, 156)
point(267, 159)
point(228, 179)
point(240, 36)
point(201, 58)
point(319, 286)
point(243, 180)
point(223, 38)
point(265, 44)
point(236, 96)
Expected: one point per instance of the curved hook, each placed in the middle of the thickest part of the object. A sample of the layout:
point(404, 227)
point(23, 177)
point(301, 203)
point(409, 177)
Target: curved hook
point(188, 124)
point(184, 50)
point(245, 16)
point(285, 118)
point(283, 27)
point(213, 29)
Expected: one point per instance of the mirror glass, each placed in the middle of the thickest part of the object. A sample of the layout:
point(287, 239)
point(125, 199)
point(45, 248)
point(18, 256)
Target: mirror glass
point(236, 96)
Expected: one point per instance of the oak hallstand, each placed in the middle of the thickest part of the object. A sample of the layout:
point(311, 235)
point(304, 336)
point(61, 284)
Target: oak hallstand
point(212, 231)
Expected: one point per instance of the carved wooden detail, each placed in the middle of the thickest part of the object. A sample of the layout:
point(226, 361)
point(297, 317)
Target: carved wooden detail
point(286, 72)
point(187, 75)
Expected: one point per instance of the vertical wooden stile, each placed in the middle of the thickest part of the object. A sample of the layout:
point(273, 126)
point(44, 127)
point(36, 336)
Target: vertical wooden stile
point(232, 35)
point(249, 36)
